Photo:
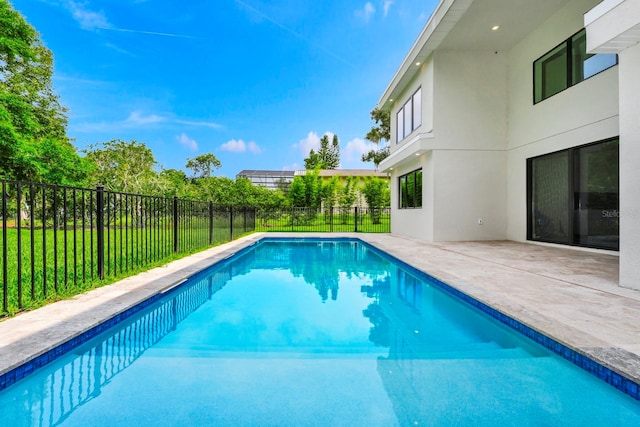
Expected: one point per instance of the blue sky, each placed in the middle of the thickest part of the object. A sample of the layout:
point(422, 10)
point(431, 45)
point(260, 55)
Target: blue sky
point(255, 82)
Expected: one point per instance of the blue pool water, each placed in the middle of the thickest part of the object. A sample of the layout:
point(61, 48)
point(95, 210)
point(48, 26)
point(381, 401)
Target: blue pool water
point(312, 333)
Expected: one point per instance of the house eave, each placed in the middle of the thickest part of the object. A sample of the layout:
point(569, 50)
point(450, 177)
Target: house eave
point(612, 26)
point(444, 18)
point(411, 149)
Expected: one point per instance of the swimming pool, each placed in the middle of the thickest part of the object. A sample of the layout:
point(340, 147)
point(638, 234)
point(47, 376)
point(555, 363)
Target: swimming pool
point(318, 333)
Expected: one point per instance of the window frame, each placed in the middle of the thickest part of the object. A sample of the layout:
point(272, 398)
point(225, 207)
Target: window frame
point(413, 201)
point(573, 238)
point(568, 45)
point(402, 132)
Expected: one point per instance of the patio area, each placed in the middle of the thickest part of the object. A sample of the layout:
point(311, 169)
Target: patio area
point(570, 295)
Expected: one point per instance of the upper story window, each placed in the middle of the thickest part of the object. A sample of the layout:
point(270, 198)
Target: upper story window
point(566, 65)
point(411, 190)
point(409, 118)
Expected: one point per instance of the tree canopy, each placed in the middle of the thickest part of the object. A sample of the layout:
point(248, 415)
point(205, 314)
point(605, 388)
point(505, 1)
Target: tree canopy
point(203, 165)
point(327, 157)
point(33, 140)
point(124, 166)
point(379, 133)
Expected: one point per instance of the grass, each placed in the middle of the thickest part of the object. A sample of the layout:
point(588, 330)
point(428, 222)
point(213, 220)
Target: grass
point(303, 222)
point(54, 265)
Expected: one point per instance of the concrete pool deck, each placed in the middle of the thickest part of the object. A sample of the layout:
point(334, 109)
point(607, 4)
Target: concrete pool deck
point(570, 295)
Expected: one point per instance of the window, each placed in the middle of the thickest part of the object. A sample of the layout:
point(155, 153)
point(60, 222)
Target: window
point(411, 190)
point(409, 118)
point(400, 125)
point(573, 196)
point(566, 65)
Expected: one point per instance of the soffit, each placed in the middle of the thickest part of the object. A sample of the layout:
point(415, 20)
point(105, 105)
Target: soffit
point(466, 25)
point(516, 19)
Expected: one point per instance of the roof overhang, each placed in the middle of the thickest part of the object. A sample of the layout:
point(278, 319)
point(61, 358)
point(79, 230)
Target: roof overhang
point(613, 26)
point(442, 20)
point(466, 25)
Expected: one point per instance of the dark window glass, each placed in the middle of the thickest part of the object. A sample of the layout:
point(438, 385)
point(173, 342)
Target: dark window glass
point(550, 191)
point(411, 190)
point(419, 188)
point(403, 192)
point(596, 195)
point(574, 196)
point(566, 65)
point(551, 73)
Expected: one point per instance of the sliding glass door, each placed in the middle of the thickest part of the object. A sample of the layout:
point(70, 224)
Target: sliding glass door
point(573, 196)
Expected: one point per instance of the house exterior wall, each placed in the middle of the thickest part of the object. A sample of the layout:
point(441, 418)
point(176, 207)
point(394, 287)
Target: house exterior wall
point(469, 188)
point(414, 223)
point(629, 170)
point(463, 161)
point(584, 113)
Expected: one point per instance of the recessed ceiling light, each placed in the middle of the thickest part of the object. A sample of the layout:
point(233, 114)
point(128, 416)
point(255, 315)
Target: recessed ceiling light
point(495, 28)
point(418, 63)
point(417, 154)
point(390, 99)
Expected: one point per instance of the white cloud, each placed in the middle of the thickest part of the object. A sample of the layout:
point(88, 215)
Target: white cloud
point(366, 12)
point(87, 19)
point(119, 49)
point(137, 118)
point(311, 142)
point(92, 20)
point(239, 146)
point(355, 148)
point(197, 123)
point(253, 147)
point(191, 144)
point(386, 6)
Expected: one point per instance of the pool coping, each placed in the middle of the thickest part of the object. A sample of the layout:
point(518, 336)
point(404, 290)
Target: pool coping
point(31, 339)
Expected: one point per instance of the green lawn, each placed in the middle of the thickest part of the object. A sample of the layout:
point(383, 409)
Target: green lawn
point(57, 265)
point(312, 222)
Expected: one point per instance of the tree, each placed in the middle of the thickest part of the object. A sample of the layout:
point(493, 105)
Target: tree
point(306, 191)
point(124, 166)
point(327, 157)
point(33, 141)
point(203, 165)
point(175, 182)
point(349, 193)
point(376, 193)
point(381, 132)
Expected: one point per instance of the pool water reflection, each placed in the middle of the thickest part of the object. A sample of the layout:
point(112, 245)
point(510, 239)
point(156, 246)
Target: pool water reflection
point(312, 333)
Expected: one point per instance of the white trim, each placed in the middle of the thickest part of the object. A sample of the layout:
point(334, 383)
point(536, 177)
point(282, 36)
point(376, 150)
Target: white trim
point(419, 144)
point(445, 16)
point(600, 10)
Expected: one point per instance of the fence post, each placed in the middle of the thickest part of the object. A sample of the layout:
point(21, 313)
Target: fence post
point(331, 219)
point(5, 270)
point(211, 223)
point(355, 217)
point(100, 229)
point(176, 245)
point(230, 223)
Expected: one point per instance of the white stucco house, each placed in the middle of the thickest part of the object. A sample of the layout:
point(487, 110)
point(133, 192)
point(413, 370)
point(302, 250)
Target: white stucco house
point(520, 120)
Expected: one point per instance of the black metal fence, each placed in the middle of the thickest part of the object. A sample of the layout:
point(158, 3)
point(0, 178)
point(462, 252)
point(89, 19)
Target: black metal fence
point(356, 219)
point(59, 241)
